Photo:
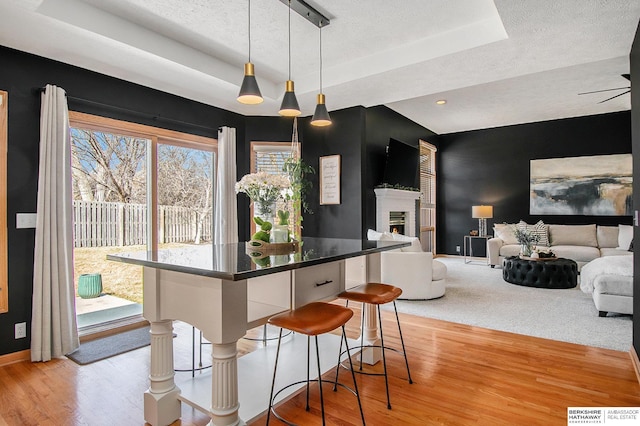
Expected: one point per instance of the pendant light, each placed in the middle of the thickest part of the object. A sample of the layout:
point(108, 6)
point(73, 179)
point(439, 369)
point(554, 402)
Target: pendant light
point(289, 107)
point(321, 115)
point(249, 91)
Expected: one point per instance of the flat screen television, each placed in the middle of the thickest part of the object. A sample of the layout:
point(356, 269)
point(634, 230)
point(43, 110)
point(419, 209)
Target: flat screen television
point(402, 162)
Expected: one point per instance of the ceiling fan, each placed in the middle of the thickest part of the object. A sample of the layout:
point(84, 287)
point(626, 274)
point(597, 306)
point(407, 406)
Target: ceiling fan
point(628, 89)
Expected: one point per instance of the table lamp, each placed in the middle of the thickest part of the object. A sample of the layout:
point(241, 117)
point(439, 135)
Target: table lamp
point(482, 213)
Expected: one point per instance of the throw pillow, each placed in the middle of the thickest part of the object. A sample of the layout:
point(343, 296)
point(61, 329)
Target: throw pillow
point(379, 236)
point(505, 231)
point(625, 236)
point(539, 228)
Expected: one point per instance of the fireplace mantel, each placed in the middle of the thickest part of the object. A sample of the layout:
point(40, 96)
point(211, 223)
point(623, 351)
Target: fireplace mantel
point(396, 200)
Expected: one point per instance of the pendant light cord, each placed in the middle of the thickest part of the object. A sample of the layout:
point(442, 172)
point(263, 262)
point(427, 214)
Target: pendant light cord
point(320, 56)
point(249, 13)
point(289, 39)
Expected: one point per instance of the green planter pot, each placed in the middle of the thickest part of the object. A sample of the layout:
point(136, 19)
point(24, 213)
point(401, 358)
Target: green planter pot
point(89, 286)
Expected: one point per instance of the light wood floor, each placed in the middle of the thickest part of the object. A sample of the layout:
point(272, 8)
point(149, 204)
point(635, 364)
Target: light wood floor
point(462, 376)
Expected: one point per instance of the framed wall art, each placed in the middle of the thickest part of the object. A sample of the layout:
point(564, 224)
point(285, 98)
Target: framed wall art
point(598, 185)
point(330, 179)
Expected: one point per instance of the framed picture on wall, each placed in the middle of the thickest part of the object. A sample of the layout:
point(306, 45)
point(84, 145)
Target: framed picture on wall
point(598, 185)
point(330, 179)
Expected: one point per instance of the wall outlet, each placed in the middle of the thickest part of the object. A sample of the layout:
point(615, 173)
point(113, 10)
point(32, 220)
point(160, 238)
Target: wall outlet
point(21, 330)
point(457, 249)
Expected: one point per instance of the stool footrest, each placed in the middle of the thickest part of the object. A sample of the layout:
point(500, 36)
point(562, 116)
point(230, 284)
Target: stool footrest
point(326, 382)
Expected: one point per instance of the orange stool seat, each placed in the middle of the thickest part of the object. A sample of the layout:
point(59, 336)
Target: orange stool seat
point(377, 294)
point(313, 319)
point(372, 293)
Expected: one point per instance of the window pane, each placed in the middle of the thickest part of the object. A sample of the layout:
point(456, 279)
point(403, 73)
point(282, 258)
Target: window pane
point(428, 198)
point(110, 216)
point(270, 157)
point(185, 195)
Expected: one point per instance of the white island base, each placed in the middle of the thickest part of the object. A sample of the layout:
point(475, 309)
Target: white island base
point(255, 372)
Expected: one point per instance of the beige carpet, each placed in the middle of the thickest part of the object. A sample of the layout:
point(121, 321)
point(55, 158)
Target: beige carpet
point(477, 295)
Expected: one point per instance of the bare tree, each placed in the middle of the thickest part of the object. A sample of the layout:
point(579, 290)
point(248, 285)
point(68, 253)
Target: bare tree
point(185, 180)
point(108, 167)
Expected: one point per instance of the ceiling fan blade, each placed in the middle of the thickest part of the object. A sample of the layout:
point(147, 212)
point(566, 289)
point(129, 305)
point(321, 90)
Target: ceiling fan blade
point(605, 90)
point(613, 97)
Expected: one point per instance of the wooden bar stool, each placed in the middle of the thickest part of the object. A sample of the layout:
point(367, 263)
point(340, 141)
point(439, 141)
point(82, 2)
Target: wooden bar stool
point(311, 320)
point(376, 294)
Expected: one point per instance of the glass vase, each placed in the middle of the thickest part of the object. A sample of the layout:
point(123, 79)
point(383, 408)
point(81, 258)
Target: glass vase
point(279, 234)
point(265, 211)
point(526, 250)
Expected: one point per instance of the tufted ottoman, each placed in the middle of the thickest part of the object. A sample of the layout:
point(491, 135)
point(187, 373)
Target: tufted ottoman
point(556, 273)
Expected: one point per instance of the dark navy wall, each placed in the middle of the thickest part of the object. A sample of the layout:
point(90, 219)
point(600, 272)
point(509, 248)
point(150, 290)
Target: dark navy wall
point(21, 75)
point(491, 166)
point(345, 137)
point(383, 124)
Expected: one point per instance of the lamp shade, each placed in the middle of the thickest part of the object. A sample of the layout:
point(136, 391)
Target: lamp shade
point(289, 107)
point(321, 115)
point(249, 91)
point(482, 212)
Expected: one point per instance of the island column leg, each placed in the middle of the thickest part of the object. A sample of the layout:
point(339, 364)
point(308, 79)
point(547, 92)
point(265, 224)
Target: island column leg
point(161, 404)
point(370, 314)
point(370, 333)
point(224, 385)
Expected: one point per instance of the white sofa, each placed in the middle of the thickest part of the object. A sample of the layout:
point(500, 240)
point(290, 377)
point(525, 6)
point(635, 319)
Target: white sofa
point(581, 243)
point(610, 282)
point(417, 273)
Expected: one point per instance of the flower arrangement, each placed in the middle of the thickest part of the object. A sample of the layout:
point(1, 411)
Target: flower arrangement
point(262, 187)
point(526, 239)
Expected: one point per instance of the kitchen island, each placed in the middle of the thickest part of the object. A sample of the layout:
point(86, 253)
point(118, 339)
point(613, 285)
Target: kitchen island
point(225, 290)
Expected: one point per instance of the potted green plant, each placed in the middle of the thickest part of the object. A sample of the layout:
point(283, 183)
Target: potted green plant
point(297, 170)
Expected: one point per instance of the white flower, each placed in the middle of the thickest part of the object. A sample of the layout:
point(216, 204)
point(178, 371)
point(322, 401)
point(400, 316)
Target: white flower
point(263, 187)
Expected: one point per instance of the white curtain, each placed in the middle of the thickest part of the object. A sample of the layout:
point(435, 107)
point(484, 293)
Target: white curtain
point(226, 211)
point(54, 331)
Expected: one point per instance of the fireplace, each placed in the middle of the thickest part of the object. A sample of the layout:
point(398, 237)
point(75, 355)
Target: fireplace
point(396, 208)
point(397, 221)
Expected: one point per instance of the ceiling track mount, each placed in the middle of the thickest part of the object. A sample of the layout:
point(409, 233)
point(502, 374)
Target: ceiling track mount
point(308, 12)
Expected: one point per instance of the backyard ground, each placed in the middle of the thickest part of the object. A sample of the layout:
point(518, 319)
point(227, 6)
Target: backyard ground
point(118, 279)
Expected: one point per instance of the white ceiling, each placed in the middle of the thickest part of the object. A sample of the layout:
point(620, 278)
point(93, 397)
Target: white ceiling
point(496, 62)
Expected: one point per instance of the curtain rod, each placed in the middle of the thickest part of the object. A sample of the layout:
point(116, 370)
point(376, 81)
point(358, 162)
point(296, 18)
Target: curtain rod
point(137, 113)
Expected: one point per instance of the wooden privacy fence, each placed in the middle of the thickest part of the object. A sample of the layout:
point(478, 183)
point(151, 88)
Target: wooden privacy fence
point(103, 224)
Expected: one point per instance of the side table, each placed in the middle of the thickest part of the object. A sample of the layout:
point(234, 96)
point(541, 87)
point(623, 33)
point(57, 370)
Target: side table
point(468, 242)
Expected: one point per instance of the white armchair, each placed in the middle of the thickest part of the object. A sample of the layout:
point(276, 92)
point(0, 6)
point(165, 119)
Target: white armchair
point(416, 273)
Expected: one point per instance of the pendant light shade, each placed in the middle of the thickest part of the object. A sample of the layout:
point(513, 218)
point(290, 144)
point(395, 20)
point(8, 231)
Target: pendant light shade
point(249, 91)
point(321, 115)
point(289, 107)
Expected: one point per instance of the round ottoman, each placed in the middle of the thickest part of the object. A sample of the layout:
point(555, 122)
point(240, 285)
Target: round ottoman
point(556, 273)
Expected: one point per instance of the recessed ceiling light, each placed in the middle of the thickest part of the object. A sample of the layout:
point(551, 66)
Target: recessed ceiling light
point(441, 101)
